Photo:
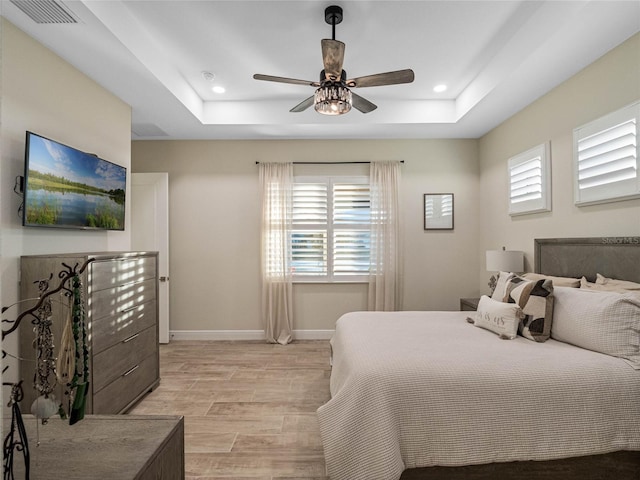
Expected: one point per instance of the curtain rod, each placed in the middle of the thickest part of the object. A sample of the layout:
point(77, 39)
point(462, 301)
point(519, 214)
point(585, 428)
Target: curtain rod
point(326, 163)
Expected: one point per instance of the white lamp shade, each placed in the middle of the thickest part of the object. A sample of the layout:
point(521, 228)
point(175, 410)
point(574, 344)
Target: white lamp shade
point(505, 261)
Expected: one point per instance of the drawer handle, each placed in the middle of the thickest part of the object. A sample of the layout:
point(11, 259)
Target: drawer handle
point(130, 371)
point(129, 309)
point(127, 340)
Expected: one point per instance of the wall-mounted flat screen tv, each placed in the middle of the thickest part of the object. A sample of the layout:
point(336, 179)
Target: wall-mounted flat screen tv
point(67, 188)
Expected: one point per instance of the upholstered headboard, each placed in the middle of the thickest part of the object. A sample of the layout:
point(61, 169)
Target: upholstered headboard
point(614, 257)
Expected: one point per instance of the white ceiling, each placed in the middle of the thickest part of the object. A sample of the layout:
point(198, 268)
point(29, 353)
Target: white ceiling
point(495, 56)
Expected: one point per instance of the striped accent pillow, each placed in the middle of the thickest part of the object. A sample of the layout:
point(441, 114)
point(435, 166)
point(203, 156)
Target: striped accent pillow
point(605, 322)
point(535, 298)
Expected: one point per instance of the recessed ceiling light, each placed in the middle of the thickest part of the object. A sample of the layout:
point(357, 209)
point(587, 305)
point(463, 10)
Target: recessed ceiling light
point(440, 88)
point(218, 89)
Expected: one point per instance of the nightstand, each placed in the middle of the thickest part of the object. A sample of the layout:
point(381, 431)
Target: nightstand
point(469, 304)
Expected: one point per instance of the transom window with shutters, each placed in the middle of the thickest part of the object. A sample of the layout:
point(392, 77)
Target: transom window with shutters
point(606, 156)
point(330, 239)
point(529, 184)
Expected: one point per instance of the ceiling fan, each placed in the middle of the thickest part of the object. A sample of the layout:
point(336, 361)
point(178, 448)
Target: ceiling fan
point(333, 95)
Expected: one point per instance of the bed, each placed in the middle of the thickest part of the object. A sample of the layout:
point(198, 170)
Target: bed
point(429, 395)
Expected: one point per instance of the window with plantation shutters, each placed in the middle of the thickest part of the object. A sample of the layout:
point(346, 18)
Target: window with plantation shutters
point(529, 181)
point(606, 156)
point(330, 235)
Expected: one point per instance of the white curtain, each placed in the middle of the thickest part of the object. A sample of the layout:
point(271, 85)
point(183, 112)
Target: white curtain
point(385, 277)
point(276, 187)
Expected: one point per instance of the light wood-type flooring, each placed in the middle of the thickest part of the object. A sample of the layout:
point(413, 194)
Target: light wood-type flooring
point(249, 407)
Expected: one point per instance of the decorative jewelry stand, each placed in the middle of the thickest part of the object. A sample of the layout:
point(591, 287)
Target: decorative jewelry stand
point(40, 313)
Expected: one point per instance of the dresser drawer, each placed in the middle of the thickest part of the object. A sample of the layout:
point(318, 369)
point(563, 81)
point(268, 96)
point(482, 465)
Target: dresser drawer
point(122, 357)
point(122, 391)
point(115, 272)
point(121, 300)
point(108, 331)
point(114, 301)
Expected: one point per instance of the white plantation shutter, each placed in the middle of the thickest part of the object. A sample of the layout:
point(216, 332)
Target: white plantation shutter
point(331, 218)
point(309, 234)
point(526, 180)
point(309, 203)
point(309, 252)
point(351, 204)
point(351, 252)
point(351, 220)
point(606, 158)
point(529, 185)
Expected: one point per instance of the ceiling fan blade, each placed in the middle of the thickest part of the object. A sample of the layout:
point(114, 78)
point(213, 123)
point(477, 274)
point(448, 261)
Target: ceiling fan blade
point(302, 106)
point(332, 58)
point(270, 78)
point(389, 78)
point(362, 104)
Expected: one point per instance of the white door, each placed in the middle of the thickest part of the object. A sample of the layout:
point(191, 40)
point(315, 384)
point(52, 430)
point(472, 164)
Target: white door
point(150, 232)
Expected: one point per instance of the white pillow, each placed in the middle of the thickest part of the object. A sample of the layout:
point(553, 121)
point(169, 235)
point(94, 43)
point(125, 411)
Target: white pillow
point(605, 322)
point(603, 284)
point(619, 285)
point(498, 317)
point(557, 281)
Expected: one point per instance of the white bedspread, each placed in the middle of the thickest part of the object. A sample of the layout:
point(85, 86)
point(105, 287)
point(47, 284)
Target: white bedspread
point(414, 389)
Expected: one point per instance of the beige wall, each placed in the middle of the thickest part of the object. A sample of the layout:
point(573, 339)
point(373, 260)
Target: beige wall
point(44, 94)
point(214, 203)
point(608, 84)
point(214, 226)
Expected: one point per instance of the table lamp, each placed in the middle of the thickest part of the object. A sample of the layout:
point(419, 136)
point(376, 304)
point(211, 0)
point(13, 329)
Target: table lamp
point(503, 261)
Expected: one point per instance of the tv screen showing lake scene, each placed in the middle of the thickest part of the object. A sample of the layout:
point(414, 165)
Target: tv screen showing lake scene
point(67, 188)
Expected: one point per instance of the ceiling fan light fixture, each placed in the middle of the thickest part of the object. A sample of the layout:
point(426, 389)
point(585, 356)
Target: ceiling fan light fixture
point(332, 100)
point(333, 96)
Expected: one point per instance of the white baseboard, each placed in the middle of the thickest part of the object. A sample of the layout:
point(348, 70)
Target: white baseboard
point(216, 335)
point(244, 334)
point(313, 334)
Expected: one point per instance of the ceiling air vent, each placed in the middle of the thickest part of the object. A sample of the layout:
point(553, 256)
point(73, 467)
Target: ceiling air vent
point(45, 11)
point(147, 130)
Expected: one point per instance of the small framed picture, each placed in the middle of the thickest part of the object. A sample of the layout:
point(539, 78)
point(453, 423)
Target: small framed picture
point(438, 211)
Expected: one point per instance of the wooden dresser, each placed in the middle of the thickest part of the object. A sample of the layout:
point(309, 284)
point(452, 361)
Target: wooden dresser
point(113, 447)
point(120, 291)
